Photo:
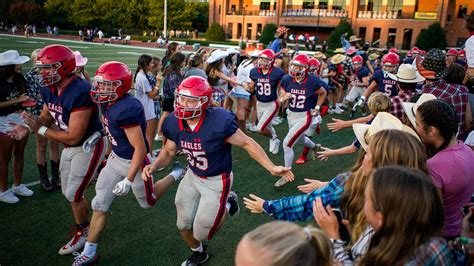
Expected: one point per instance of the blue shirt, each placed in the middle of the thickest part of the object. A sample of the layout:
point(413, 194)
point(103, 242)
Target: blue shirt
point(208, 153)
point(266, 84)
point(124, 113)
point(300, 207)
point(76, 97)
point(384, 83)
point(304, 93)
point(275, 46)
point(361, 73)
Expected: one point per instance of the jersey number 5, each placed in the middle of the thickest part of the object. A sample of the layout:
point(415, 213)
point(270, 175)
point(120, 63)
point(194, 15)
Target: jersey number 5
point(197, 159)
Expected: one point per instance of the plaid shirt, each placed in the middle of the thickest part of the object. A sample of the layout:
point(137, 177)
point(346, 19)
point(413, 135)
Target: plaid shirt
point(34, 85)
point(170, 84)
point(435, 252)
point(300, 208)
point(152, 79)
point(396, 108)
point(456, 95)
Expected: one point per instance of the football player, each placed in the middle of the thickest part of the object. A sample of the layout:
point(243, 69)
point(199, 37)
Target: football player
point(306, 94)
point(265, 81)
point(125, 125)
point(206, 135)
point(69, 106)
point(381, 81)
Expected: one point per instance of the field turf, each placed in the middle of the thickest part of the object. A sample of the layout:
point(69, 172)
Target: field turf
point(32, 231)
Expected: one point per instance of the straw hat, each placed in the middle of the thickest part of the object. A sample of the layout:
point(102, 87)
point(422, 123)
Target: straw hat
point(216, 56)
point(373, 56)
point(12, 57)
point(339, 51)
point(354, 38)
point(80, 61)
point(337, 59)
point(319, 55)
point(407, 74)
point(255, 53)
point(411, 108)
point(382, 121)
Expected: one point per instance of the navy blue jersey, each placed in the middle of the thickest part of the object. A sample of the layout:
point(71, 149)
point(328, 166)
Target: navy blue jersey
point(384, 83)
point(266, 84)
point(408, 60)
point(206, 148)
point(76, 97)
point(303, 94)
point(461, 62)
point(361, 73)
point(124, 113)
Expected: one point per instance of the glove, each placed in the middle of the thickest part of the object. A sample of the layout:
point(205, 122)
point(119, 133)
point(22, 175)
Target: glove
point(122, 187)
point(361, 101)
point(91, 141)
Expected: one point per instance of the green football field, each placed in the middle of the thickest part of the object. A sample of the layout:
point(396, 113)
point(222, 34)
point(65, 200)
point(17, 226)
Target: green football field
point(32, 231)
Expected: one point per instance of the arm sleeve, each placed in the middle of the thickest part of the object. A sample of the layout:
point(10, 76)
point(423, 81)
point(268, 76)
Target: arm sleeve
point(167, 132)
point(230, 125)
point(83, 101)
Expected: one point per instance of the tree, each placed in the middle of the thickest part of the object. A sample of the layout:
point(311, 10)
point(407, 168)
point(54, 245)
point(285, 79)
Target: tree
point(201, 21)
point(180, 14)
point(433, 37)
point(335, 37)
point(23, 12)
point(58, 12)
point(268, 33)
point(215, 33)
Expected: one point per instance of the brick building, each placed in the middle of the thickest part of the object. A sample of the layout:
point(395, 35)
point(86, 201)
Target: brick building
point(382, 22)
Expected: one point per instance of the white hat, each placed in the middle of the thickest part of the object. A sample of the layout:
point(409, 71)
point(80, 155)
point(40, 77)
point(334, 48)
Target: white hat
point(12, 57)
point(255, 53)
point(232, 50)
point(382, 121)
point(216, 55)
point(80, 61)
point(407, 74)
point(411, 108)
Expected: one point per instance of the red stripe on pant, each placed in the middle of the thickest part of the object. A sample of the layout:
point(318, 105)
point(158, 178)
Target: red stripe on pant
point(149, 189)
point(223, 201)
point(94, 163)
point(270, 118)
point(301, 131)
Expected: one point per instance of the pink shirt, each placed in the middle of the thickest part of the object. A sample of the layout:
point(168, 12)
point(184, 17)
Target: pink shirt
point(452, 171)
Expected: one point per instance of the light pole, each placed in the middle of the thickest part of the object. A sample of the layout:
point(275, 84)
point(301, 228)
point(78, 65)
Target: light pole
point(165, 24)
point(243, 26)
point(317, 28)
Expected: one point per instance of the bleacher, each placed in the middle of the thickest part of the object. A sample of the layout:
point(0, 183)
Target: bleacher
point(314, 13)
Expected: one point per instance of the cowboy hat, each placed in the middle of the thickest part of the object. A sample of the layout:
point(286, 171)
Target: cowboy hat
point(433, 65)
point(216, 55)
point(80, 60)
point(351, 50)
point(12, 57)
point(407, 74)
point(255, 53)
point(319, 55)
point(411, 108)
point(354, 38)
point(339, 51)
point(337, 59)
point(382, 121)
point(373, 56)
point(232, 51)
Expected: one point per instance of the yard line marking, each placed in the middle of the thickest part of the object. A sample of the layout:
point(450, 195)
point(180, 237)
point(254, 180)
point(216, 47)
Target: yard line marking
point(78, 47)
point(32, 183)
point(130, 53)
point(30, 42)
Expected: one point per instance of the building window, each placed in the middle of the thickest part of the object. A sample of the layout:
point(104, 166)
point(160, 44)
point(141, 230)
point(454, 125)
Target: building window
point(338, 4)
point(264, 5)
point(407, 35)
point(362, 32)
point(308, 5)
point(391, 38)
point(374, 5)
point(462, 11)
point(239, 30)
point(249, 31)
point(232, 9)
point(376, 37)
point(229, 29)
point(394, 5)
point(323, 4)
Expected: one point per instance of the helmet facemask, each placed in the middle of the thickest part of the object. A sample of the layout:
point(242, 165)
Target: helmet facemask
point(52, 76)
point(297, 70)
point(104, 91)
point(264, 62)
point(183, 111)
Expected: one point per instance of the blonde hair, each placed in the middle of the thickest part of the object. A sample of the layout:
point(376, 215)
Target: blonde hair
point(34, 55)
point(288, 244)
point(378, 102)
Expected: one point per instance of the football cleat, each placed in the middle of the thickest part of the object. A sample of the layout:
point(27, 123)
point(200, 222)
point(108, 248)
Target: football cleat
point(302, 160)
point(234, 209)
point(197, 258)
point(76, 243)
point(83, 260)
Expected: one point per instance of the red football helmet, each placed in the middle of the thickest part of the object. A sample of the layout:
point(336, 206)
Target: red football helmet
point(357, 60)
point(314, 65)
point(410, 54)
point(391, 59)
point(415, 50)
point(112, 80)
point(266, 59)
point(300, 60)
point(193, 89)
point(55, 62)
point(452, 52)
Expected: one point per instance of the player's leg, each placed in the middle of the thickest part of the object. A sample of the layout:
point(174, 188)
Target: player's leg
point(265, 113)
point(82, 169)
point(114, 172)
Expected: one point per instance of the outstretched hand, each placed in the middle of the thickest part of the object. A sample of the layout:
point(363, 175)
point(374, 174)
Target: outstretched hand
point(325, 154)
point(311, 184)
point(337, 125)
point(284, 172)
point(254, 203)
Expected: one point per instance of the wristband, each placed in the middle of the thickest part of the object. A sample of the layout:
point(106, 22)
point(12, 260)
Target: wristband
point(42, 130)
point(317, 107)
